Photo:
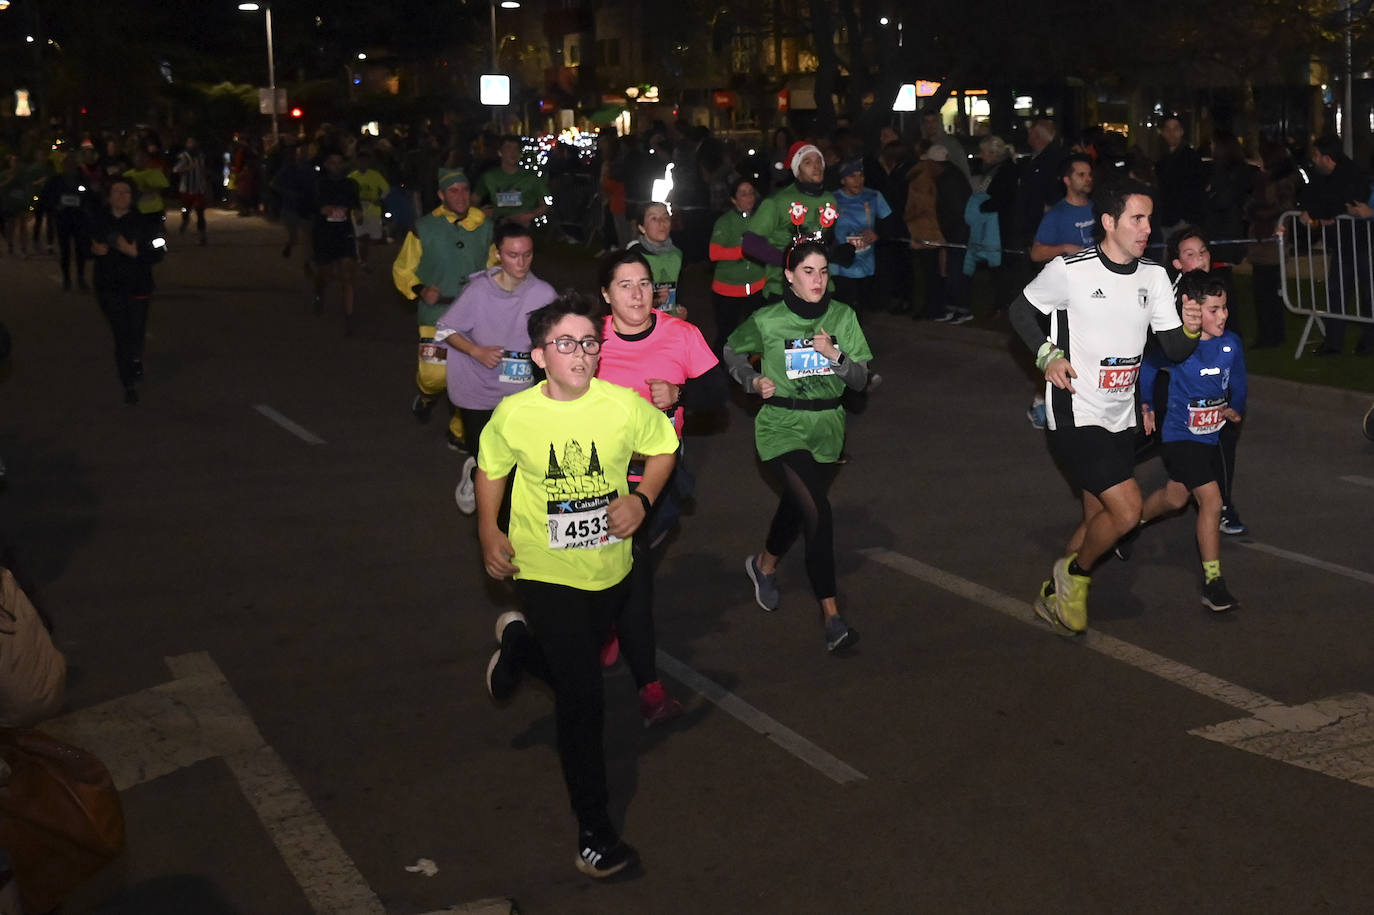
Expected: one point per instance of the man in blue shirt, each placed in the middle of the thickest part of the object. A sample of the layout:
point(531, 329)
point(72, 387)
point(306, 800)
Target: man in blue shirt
point(1067, 227)
point(860, 209)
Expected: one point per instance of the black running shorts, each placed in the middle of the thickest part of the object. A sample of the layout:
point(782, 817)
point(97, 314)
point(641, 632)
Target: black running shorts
point(1094, 459)
point(1193, 464)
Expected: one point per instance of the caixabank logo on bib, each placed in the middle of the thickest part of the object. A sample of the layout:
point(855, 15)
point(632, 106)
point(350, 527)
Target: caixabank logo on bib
point(577, 493)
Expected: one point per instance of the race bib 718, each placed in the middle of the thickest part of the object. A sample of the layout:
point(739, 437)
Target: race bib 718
point(801, 359)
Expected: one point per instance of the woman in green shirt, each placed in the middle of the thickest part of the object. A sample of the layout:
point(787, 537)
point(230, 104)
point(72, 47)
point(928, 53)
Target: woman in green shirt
point(665, 258)
point(811, 349)
point(737, 287)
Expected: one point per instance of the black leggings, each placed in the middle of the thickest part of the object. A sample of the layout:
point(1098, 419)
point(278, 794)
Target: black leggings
point(474, 421)
point(71, 236)
point(635, 625)
point(805, 510)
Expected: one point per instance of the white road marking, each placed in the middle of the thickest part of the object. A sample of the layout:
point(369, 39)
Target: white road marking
point(299, 431)
point(1358, 480)
point(1306, 560)
point(198, 716)
point(1339, 745)
point(1140, 658)
point(1333, 736)
point(837, 770)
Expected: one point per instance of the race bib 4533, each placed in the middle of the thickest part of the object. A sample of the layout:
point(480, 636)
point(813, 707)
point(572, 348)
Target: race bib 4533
point(580, 524)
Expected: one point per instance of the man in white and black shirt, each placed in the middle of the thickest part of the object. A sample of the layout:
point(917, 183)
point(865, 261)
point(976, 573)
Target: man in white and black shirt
point(1102, 303)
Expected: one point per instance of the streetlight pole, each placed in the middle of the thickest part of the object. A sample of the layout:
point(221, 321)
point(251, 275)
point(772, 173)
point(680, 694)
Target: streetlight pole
point(272, 75)
point(271, 63)
point(495, 48)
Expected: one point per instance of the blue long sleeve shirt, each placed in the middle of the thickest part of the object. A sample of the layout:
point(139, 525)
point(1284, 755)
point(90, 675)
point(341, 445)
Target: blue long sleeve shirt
point(1200, 388)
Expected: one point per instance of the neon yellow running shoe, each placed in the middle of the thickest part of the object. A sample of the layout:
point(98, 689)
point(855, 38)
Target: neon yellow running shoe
point(1046, 606)
point(1071, 595)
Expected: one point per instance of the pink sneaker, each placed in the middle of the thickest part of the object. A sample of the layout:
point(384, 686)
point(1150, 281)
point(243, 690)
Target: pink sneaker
point(656, 706)
point(610, 649)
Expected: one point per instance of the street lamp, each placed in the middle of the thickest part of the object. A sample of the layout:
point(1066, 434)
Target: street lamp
point(495, 48)
point(271, 61)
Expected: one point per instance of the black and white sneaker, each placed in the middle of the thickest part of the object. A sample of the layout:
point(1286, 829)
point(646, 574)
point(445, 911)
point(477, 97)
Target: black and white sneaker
point(1230, 522)
point(1216, 598)
point(604, 856)
point(503, 670)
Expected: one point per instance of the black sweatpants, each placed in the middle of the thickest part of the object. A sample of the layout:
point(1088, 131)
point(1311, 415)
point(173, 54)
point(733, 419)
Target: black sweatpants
point(568, 626)
point(805, 510)
point(128, 317)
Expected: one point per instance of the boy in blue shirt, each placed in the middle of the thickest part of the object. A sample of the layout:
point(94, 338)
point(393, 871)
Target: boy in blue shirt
point(1206, 391)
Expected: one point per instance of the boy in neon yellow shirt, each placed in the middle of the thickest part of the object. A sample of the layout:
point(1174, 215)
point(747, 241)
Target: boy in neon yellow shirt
point(571, 520)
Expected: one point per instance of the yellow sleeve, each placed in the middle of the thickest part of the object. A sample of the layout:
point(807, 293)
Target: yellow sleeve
point(403, 268)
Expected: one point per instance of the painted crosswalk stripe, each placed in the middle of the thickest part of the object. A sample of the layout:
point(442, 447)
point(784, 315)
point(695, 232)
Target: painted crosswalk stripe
point(295, 429)
point(1358, 480)
point(836, 769)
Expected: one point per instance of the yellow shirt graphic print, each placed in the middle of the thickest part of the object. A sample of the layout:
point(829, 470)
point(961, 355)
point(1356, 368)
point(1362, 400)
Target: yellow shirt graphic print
point(578, 493)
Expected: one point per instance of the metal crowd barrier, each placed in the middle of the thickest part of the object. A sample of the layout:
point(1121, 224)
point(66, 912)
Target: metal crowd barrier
point(1325, 271)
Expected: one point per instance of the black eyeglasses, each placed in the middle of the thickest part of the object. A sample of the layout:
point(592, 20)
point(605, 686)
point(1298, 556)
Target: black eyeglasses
point(566, 345)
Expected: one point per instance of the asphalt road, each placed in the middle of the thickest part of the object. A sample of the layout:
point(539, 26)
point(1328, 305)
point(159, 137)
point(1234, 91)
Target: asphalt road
point(322, 724)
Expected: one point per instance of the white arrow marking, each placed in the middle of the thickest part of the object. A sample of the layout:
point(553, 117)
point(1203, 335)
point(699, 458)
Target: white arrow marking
point(196, 717)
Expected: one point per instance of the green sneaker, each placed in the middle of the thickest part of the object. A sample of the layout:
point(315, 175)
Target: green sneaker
point(1046, 606)
point(1071, 595)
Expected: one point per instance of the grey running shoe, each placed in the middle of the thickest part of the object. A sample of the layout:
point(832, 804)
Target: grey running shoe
point(765, 586)
point(838, 634)
point(466, 492)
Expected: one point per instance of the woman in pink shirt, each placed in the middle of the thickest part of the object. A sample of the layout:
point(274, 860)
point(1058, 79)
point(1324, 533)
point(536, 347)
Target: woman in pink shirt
point(667, 361)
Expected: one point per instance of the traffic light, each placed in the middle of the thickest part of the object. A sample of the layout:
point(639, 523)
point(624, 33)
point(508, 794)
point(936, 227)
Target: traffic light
point(297, 113)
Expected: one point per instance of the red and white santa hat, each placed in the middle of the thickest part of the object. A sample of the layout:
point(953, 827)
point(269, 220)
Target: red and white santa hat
point(799, 151)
